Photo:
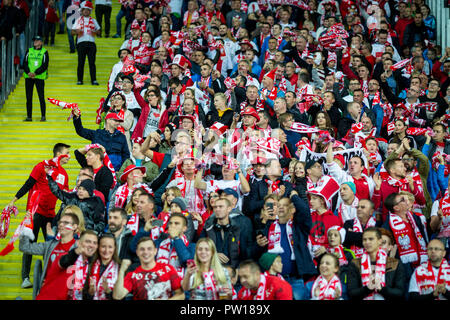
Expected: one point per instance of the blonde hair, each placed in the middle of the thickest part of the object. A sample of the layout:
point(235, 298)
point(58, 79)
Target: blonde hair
point(215, 265)
point(77, 211)
point(177, 193)
point(129, 208)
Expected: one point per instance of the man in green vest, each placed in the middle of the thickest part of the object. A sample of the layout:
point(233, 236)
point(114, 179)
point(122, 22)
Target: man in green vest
point(35, 68)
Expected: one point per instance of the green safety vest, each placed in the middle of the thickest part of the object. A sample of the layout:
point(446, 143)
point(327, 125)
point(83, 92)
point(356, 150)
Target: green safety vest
point(35, 58)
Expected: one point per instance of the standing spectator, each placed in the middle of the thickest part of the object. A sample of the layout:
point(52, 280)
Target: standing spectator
point(415, 31)
point(9, 19)
point(86, 28)
point(110, 138)
point(429, 21)
point(35, 66)
point(45, 212)
point(51, 19)
point(103, 9)
point(53, 279)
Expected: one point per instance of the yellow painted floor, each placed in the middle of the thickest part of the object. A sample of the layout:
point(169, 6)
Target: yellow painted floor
point(24, 144)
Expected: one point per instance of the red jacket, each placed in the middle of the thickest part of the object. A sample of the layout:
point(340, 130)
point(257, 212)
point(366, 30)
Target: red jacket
point(276, 289)
point(386, 189)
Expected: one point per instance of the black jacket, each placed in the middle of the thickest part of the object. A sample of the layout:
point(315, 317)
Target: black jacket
point(395, 280)
point(257, 193)
point(93, 208)
point(231, 246)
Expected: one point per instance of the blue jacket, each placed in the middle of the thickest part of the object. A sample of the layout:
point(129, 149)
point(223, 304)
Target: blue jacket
point(115, 144)
point(436, 181)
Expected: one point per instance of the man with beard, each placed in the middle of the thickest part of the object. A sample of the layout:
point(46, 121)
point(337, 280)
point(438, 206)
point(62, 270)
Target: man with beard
point(117, 221)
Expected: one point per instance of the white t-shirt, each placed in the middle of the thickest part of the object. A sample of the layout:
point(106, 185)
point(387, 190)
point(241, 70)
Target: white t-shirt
point(215, 185)
point(87, 33)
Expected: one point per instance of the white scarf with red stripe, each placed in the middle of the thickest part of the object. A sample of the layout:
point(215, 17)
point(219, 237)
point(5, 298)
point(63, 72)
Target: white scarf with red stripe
point(123, 195)
point(210, 284)
point(380, 271)
point(198, 198)
point(406, 251)
point(167, 254)
point(340, 253)
point(327, 289)
point(79, 277)
point(444, 205)
point(110, 274)
point(260, 293)
point(426, 280)
point(274, 238)
point(357, 227)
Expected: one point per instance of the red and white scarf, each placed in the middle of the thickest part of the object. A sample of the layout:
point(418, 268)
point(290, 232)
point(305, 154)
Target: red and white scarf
point(274, 238)
point(327, 289)
point(402, 184)
point(210, 284)
point(198, 198)
point(260, 293)
point(339, 252)
point(79, 277)
point(357, 227)
point(90, 25)
point(110, 274)
point(167, 254)
point(380, 271)
point(123, 195)
point(407, 252)
point(426, 280)
point(444, 205)
point(133, 223)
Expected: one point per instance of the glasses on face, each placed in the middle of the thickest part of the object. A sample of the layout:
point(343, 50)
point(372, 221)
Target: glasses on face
point(129, 82)
point(407, 159)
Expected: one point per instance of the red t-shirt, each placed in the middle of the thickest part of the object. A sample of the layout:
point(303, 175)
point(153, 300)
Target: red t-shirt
point(276, 289)
point(362, 188)
point(47, 199)
point(157, 283)
point(54, 286)
point(320, 225)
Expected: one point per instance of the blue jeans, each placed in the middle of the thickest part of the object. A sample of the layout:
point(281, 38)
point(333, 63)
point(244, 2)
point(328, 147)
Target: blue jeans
point(71, 40)
point(119, 17)
point(299, 291)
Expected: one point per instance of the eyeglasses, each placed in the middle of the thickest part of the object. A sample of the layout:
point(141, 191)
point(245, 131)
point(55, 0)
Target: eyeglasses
point(407, 159)
point(126, 82)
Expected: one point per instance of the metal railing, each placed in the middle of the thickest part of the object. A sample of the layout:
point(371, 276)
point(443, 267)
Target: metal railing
point(12, 52)
point(441, 12)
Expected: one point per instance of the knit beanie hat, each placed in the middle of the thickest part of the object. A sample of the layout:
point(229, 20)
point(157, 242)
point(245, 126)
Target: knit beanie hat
point(181, 202)
point(89, 185)
point(267, 260)
point(351, 185)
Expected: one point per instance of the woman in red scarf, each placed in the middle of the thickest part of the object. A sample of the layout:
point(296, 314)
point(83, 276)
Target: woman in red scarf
point(103, 270)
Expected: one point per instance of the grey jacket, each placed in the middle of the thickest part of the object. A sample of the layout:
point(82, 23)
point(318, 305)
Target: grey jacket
point(44, 249)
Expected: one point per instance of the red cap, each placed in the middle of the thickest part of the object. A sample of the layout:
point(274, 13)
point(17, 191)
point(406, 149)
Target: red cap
point(271, 74)
point(114, 116)
point(250, 111)
point(130, 168)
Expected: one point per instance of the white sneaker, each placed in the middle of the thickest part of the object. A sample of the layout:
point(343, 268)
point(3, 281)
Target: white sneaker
point(26, 283)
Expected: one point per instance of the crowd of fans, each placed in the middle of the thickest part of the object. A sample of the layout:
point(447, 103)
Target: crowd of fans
point(277, 149)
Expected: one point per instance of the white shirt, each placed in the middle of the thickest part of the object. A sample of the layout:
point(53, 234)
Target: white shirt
point(114, 72)
point(87, 34)
point(215, 185)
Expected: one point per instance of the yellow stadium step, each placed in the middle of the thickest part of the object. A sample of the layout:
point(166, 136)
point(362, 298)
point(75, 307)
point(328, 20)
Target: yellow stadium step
point(24, 144)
